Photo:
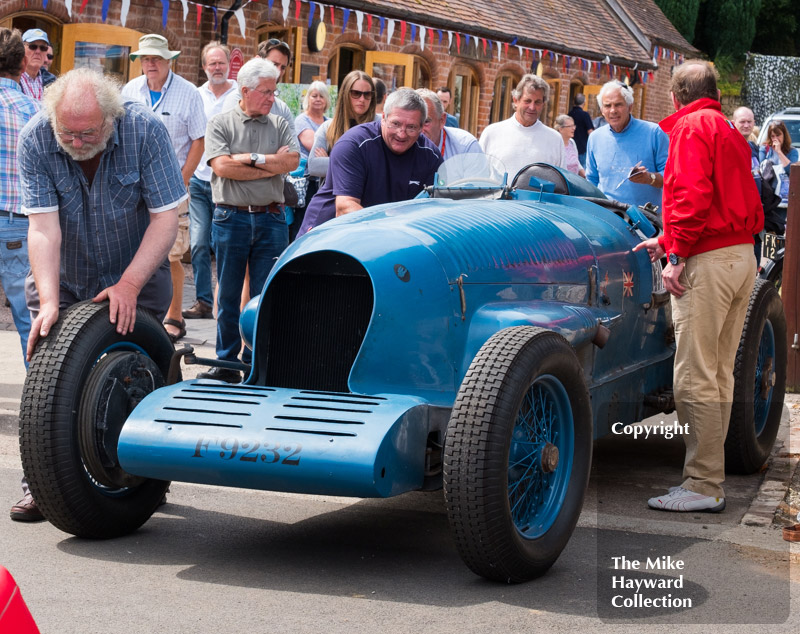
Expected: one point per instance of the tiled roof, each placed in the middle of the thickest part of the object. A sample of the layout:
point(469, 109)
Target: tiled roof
point(656, 25)
point(586, 28)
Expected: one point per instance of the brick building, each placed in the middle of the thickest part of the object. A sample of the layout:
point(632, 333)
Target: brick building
point(480, 49)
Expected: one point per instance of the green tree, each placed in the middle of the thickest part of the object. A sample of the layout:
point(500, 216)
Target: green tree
point(682, 14)
point(776, 30)
point(728, 27)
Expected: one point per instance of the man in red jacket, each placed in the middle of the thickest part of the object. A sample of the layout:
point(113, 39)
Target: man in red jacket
point(711, 210)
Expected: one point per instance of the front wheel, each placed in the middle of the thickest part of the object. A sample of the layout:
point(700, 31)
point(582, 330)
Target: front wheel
point(83, 381)
point(759, 382)
point(517, 454)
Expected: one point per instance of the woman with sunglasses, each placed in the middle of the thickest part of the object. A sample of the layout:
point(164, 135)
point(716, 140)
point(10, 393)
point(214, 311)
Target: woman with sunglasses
point(778, 149)
point(355, 105)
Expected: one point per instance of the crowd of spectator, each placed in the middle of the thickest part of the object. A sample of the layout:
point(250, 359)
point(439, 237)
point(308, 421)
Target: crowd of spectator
point(227, 147)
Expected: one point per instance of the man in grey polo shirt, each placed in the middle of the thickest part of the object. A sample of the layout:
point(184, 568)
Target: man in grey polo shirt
point(249, 150)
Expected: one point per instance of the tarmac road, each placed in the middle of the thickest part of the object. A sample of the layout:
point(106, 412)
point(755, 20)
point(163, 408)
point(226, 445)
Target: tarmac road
point(218, 560)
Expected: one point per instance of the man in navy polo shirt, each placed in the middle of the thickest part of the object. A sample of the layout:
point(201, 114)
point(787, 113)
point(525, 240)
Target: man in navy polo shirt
point(377, 162)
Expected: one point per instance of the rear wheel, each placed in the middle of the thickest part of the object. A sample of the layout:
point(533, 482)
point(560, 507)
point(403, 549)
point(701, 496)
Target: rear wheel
point(759, 382)
point(517, 454)
point(83, 381)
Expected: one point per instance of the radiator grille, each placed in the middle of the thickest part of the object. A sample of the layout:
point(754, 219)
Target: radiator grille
point(314, 318)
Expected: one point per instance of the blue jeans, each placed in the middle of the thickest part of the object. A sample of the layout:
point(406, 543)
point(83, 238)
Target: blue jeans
point(582, 160)
point(242, 238)
point(201, 210)
point(14, 267)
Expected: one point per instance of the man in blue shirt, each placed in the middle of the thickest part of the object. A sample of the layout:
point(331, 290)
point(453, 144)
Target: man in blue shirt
point(16, 109)
point(378, 162)
point(102, 189)
point(626, 158)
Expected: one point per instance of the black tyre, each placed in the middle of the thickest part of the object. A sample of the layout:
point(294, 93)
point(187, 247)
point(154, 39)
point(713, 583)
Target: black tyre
point(776, 275)
point(517, 454)
point(83, 381)
point(759, 382)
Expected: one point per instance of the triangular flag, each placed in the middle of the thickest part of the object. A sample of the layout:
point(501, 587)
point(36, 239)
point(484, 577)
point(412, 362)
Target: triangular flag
point(514, 42)
point(311, 14)
point(345, 18)
point(185, 6)
point(239, 13)
point(123, 12)
point(369, 22)
point(296, 9)
point(68, 5)
point(483, 41)
point(413, 32)
point(164, 12)
point(214, 9)
point(285, 7)
point(403, 26)
point(199, 12)
point(498, 50)
point(458, 41)
point(389, 31)
point(333, 15)
point(441, 35)
point(519, 48)
point(449, 40)
point(467, 39)
point(422, 37)
point(83, 5)
point(383, 24)
point(271, 2)
point(359, 21)
point(103, 11)
point(505, 48)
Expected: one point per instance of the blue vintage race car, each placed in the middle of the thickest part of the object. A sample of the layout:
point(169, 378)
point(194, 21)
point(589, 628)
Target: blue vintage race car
point(478, 338)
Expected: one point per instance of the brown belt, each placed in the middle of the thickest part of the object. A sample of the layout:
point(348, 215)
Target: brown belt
point(273, 208)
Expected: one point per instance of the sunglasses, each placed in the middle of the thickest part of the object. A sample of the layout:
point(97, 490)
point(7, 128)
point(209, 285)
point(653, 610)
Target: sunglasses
point(272, 42)
point(41, 47)
point(358, 94)
point(49, 56)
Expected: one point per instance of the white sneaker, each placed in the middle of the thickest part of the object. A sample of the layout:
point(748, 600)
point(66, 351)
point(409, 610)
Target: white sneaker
point(680, 499)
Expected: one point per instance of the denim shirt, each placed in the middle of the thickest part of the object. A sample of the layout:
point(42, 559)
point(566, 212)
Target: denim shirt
point(102, 225)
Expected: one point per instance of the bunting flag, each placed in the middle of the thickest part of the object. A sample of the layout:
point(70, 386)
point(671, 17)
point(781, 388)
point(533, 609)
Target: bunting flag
point(345, 18)
point(83, 5)
point(422, 31)
point(466, 37)
point(199, 15)
point(389, 31)
point(103, 11)
point(271, 2)
point(441, 35)
point(284, 12)
point(123, 12)
point(483, 41)
point(369, 23)
point(68, 5)
point(44, 6)
point(498, 49)
point(297, 6)
point(383, 25)
point(239, 13)
point(311, 14)
point(458, 41)
point(332, 17)
point(214, 9)
point(164, 13)
point(449, 40)
point(359, 21)
point(185, 6)
point(403, 26)
point(413, 33)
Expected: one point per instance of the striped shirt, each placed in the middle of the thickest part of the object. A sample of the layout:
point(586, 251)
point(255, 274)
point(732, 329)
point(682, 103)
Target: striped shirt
point(103, 225)
point(32, 86)
point(180, 109)
point(16, 109)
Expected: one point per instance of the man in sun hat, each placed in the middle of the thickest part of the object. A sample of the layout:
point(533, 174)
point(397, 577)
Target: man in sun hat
point(36, 45)
point(179, 106)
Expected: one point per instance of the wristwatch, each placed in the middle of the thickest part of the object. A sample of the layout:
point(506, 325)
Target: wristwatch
point(675, 259)
point(253, 158)
point(652, 178)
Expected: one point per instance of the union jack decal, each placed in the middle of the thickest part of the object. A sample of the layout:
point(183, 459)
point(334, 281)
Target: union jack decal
point(627, 284)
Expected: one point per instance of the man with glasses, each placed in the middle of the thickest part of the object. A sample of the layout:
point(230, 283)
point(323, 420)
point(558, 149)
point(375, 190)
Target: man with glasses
point(279, 53)
point(626, 158)
point(378, 162)
point(249, 150)
point(179, 106)
point(102, 190)
point(36, 46)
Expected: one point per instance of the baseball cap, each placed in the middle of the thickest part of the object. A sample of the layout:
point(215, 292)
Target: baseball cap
point(34, 35)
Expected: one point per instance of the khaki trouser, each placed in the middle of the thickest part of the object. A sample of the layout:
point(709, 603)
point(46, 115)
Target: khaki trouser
point(708, 325)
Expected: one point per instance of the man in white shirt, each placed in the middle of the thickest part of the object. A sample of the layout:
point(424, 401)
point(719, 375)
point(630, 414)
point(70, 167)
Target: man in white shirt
point(523, 139)
point(450, 141)
point(216, 59)
point(178, 105)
